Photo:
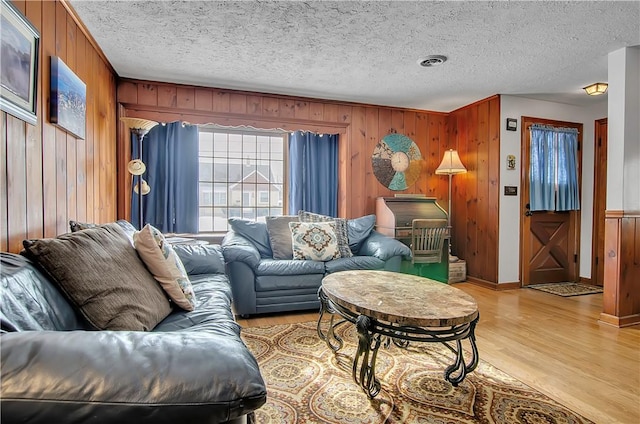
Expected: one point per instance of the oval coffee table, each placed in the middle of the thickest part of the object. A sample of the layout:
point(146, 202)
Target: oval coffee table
point(388, 306)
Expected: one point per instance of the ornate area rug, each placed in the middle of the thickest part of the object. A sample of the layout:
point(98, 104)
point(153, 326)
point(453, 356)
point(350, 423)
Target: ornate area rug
point(567, 289)
point(307, 383)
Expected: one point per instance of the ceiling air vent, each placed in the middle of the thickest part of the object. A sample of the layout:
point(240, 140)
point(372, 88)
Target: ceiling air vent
point(432, 60)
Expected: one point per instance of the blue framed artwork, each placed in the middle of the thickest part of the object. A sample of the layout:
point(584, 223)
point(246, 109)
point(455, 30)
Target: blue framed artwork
point(68, 108)
point(18, 64)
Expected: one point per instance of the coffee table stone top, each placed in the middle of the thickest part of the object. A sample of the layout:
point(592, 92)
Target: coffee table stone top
point(402, 299)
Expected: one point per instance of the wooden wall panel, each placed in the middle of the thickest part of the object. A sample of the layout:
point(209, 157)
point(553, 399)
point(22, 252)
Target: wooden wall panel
point(4, 235)
point(493, 166)
point(360, 127)
point(475, 133)
point(16, 183)
point(34, 150)
point(357, 168)
point(49, 176)
point(621, 304)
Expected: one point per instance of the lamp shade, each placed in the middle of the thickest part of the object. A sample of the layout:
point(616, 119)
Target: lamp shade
point(136, 167)
point(146, 189)
point(451, 164)
point(138, 125)
point(596, 89)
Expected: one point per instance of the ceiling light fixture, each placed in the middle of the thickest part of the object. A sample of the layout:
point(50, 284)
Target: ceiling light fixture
point(596, 89)
point(432, 60)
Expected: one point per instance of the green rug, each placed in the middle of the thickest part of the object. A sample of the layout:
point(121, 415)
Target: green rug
point(307, 383)
point(567, 289)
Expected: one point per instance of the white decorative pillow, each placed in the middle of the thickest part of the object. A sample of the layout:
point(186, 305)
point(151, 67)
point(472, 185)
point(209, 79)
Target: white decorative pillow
point(315, 241)
point(165, 265)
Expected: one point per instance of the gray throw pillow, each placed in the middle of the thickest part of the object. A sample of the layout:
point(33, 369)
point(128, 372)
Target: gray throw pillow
point(280, 235)
point(341, 230)
point(101, 274)
point(128, 228)
point(359, 229)
point(255, 232)
point(79, 226)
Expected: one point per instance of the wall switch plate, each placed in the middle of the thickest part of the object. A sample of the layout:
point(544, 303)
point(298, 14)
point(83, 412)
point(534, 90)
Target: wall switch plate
point(510, 190)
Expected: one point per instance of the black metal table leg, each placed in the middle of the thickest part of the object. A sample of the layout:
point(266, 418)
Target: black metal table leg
point(333, 341)
point(456, 373)
point(364, 363)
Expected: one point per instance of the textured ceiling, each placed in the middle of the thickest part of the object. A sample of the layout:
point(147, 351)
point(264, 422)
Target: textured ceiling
point(368, 52)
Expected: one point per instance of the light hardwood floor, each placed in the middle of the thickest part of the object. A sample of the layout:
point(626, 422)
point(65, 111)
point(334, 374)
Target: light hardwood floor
point(553, 344)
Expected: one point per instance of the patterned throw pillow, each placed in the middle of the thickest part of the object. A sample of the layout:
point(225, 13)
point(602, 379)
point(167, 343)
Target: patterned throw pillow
point(341, 230)
point(165, 265)
point(315, 241)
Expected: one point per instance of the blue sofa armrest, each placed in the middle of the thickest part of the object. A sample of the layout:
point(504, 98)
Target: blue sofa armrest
point(383, 247)
point(200, 259)
point(236, 248)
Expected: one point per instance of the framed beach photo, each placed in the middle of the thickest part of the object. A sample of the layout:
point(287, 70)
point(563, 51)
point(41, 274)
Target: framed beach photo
point(18, 64)
point(68, 108)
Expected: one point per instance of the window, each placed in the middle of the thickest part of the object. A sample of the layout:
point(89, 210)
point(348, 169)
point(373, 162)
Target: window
point(242, 174)
point(553, 169)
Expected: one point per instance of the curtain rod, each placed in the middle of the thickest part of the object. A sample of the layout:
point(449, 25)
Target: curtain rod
point(552, 128)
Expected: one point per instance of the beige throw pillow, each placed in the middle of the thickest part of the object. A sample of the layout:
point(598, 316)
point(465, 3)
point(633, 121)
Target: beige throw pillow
point(165, 265)
point(315, 241)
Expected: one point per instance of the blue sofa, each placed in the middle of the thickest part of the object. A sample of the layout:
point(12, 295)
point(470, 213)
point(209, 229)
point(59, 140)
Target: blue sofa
point(262, 284)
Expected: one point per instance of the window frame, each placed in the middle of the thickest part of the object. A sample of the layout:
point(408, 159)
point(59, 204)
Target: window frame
point(256, 205)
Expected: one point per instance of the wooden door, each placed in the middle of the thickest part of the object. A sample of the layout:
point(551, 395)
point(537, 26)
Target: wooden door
point(599, 202)
point(549, 242)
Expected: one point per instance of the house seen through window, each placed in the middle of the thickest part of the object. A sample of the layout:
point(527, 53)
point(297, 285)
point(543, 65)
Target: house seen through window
point(242, 174)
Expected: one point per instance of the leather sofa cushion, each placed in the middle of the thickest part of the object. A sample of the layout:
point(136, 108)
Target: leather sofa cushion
point(254, 231)
point(101, 274)
point(212, 311)
point(358, 230)
point(289, 267)
point(289, 282)
point(201, 259)
point(29, 302)
point(354, 263)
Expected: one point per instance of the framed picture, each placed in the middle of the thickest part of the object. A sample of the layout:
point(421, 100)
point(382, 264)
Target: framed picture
point(68, 108)
point(18, 64)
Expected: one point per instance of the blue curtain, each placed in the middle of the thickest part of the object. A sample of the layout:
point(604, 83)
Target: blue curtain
point(170, 153)
point(553, 171)
point(542, 170)
point(568, 190)
point(313, 173)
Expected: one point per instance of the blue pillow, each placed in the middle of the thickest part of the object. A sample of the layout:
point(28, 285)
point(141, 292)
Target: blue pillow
point(255, 232)
point(358, 230)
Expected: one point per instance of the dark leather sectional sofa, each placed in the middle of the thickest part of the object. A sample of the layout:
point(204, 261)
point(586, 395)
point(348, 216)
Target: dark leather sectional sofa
point(192, 368)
